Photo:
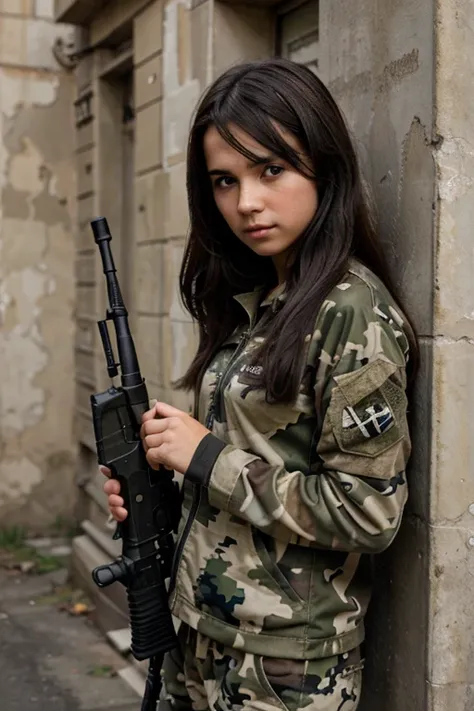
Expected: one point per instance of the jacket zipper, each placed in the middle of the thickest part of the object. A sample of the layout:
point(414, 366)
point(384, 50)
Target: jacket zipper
point(197, 487)
point(211, 415)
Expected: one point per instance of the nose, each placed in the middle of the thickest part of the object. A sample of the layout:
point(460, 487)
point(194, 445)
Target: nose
point(250, 198)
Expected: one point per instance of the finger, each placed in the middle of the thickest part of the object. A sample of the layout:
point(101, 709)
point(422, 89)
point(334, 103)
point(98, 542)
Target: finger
point(153, 441)
point(112, 486)
point(162, 409)
point(115, 501)
point(154, 458)
point(119, 513)
point(149, 414)
point(153, 427)
point(105, 471)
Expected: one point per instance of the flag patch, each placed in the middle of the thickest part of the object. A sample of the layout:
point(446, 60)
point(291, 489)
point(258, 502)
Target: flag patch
point(371, 421)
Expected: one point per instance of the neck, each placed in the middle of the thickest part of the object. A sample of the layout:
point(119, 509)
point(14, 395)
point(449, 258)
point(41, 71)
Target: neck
point(280, 264)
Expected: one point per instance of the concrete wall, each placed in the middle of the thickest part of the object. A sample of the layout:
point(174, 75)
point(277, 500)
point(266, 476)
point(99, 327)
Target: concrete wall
point(451, 515)
point(403, 75)
point(36, 270)
point(380, 69)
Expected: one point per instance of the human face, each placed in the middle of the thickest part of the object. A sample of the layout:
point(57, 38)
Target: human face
point(268, 204)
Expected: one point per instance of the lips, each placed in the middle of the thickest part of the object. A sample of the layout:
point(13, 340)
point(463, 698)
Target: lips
point(259, 230)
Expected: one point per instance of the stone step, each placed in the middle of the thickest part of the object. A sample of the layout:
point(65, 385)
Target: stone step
point(58, 547)
point(134, 679)
point(141, 667)
point(111, 607)
point(103, 539)
point(121, 639)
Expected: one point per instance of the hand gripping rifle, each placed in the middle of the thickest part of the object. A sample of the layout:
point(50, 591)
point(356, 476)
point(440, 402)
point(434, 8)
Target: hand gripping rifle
point(151, 498)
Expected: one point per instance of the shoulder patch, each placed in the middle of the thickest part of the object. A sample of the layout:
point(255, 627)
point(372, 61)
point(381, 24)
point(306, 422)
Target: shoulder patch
point(366, 417)
point(372, 418)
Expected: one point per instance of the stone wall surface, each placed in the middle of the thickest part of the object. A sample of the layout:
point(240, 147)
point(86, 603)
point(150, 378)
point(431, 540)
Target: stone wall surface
point(451, 623)
point(36, 270)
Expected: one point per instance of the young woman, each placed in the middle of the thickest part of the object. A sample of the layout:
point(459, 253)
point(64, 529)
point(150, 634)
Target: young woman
point(294, 462)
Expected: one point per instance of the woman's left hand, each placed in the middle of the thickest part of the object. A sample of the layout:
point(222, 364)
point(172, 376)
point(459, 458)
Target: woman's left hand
point(170, 437)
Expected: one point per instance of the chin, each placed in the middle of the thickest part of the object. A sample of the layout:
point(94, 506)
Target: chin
point(266, 250)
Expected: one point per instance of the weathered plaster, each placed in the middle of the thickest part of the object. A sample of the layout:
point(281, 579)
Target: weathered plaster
point(18, 478)
point(23, 350)
point(36, 278)
point(21, 87)
point(454, 306)
point(455, 157)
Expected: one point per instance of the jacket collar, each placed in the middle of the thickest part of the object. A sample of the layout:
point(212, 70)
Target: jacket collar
point(276, 296)
point(252, 300)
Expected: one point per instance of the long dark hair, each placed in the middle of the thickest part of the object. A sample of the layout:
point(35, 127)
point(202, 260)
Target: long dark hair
point(217, 265)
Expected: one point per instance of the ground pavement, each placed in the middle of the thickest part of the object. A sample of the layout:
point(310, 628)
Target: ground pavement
point(51, 657)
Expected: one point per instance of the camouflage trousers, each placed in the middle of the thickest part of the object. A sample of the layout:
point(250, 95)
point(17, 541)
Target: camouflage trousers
point(201, 674)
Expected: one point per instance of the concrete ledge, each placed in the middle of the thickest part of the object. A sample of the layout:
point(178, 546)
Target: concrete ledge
point(254, 3)
point(76, 12)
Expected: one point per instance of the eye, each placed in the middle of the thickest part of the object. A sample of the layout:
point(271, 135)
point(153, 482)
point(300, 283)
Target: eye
point(224, 182)
point(273, 171)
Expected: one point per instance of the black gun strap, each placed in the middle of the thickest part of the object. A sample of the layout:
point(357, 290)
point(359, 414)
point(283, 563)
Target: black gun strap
point(153, 684)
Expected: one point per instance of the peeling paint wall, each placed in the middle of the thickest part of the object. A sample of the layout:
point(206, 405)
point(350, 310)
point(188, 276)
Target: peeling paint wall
point(37, 448)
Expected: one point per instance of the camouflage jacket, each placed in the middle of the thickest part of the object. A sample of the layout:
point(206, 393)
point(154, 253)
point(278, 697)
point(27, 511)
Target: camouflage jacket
point(282, 503)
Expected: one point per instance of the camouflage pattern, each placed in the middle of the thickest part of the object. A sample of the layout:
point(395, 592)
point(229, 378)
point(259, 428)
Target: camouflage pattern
point(272, 554)
point(201, 674)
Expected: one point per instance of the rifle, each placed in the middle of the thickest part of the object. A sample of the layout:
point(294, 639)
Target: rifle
point(151, 498)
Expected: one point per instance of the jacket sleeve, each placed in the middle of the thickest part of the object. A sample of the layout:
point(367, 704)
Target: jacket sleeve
point(352, 496)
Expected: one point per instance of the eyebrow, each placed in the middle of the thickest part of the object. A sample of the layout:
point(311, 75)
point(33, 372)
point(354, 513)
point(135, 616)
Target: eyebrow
point(251, 164)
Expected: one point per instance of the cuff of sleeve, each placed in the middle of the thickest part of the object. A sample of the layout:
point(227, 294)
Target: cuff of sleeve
point(202, 464)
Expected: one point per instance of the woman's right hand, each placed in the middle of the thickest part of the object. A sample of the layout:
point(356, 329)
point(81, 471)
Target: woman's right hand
point(112, 489)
